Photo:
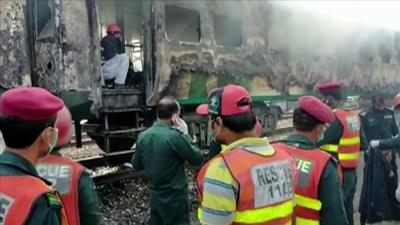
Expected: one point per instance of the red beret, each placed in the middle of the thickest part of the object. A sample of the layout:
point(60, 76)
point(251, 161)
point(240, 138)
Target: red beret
point(30, 104)
point(328, 87)
point(316, 109)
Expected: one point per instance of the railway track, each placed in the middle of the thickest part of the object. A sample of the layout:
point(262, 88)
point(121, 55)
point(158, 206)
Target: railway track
point(115, 164)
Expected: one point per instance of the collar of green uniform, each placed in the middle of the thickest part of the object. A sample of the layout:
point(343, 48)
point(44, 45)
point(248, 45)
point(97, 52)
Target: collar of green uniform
point(12, 159)
point(298, 140)
point(160, 124)
point(253, 141)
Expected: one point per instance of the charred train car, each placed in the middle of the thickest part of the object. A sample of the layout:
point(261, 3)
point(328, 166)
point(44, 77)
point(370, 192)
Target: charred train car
point(185, 49)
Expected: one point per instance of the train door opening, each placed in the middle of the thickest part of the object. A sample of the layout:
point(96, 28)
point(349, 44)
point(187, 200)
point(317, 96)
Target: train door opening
point(128, 15)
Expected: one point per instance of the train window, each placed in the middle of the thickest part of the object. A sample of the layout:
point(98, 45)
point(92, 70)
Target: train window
point(228, 31)
point(182, 24)
point(42, 14)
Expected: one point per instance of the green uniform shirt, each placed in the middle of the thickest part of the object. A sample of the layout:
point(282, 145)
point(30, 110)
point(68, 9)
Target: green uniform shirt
point(377, 124)
point(393, 143)
point(44, 211)
point(162, 152)
point(89, 210)
point(329, 190)
point(332, 135)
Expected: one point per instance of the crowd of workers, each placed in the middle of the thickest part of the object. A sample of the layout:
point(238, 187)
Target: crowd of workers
point(306, 178)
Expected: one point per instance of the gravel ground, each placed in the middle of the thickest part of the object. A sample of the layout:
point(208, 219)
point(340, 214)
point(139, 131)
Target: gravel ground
point(128, 202)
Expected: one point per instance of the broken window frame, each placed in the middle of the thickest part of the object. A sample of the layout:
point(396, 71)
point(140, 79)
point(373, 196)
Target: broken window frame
point(221, 45)
point(199, 28)
point(48, 28)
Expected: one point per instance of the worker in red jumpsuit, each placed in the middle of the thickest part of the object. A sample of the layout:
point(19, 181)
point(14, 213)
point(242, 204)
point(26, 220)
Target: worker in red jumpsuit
point(70, 178)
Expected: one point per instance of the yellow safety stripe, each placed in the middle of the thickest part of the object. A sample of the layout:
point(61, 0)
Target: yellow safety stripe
point(247, 141)
point(349, 141)
point(264, 214)
point(304, 221)
point(330, 148)
point(349, 156)
point(308, 202)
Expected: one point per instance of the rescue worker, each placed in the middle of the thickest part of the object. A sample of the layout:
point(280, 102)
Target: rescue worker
point(318, 193)
point(27, 117)
point(392, 143)
point(342, 140)
point(161, 151)
point(265, 176)
point(70, 179)
point(377, 122)
point(116, 61)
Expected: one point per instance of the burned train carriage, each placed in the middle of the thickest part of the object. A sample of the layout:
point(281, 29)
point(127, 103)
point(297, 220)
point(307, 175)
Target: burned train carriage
point(184, 49)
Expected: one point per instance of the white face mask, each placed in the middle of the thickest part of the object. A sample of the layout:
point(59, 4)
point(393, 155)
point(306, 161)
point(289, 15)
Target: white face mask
point(54, 140)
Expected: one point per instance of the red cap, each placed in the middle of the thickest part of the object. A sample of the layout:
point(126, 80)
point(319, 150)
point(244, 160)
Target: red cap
point(328, 87)
point(64, 126)
point(30, 104)
point(113, 28)
point(227, 101)
point(316, 109)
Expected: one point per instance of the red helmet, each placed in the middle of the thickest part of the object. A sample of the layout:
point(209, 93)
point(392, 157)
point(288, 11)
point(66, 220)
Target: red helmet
point(64, 126)
point(114, 28)
point(396, 100)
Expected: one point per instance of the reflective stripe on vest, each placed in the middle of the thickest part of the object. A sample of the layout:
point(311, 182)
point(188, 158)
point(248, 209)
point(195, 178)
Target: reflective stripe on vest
point(265, 214)
point(310, 166)
point(261, 215)
point(309, 203)
point(304, 221)
point(16, 203)
point(64, 174)
point(349, 144)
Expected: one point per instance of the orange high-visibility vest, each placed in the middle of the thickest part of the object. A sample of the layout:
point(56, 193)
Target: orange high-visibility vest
point(348, 148)
point(64, 174)
point(17, 196)
point(266, 186)
point(310, 166)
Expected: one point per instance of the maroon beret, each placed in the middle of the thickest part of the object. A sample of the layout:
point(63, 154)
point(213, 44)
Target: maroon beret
point(30, 104)
point(328, 87)
point(316, 109)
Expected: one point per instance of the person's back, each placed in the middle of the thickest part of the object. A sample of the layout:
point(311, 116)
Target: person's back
point(318, 192)
point(26, 122)
point(161, 151)
point(249, 182)
point(70, 179)
point(164, 157)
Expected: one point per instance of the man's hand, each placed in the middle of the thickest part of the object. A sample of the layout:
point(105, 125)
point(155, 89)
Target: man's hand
point(181, 125)
point(374, 143)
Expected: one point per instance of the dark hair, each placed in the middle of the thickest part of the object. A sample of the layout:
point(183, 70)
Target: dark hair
point(337, 94)
point(378, 98)
point(238, 123)
point(21, 134)
point(166, 107)
point(302, 121)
